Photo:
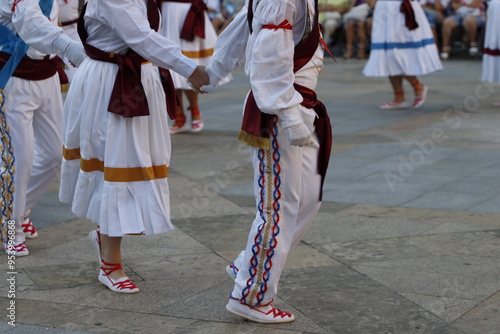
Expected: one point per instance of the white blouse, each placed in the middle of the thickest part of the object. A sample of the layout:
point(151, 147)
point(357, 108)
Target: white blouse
point(117, 25)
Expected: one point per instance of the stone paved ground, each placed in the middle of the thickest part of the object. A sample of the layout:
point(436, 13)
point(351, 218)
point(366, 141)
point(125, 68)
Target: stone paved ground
point(407, 239)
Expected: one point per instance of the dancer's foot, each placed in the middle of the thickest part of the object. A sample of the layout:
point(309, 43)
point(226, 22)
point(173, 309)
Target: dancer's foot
point(180, 125)
point(29, 229)
point(113, 276)
point(394, 105)
point(420, 96)
point(263, 314)
point(196, 119)
point(17, 250)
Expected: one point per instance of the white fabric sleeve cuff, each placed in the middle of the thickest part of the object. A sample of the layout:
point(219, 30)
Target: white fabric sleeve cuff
point(62, 41)
point(290, 117)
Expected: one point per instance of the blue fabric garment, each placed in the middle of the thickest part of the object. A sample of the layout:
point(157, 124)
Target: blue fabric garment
point(405, 45)
point(15, 46)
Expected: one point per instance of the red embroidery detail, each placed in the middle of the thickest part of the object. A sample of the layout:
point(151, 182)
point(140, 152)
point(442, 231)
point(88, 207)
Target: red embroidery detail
point(283, 25)
point(14, 5)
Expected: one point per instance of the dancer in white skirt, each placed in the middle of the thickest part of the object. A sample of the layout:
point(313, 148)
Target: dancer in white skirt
point(116, 141)
point(491, 52)
point(30, 114)
point(186, 23)
point(289, 132)
point(402, 47)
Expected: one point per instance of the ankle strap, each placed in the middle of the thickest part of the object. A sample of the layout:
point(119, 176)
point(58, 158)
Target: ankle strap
point(194, 110)
point(110, 267)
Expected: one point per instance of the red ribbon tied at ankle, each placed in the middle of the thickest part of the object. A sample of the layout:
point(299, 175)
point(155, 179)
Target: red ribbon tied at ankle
point(407, 9)
point(283, 25)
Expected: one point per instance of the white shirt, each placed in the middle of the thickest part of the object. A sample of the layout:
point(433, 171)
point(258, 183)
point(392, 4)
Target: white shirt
point(268, 53)
point(117, 25)
point(29, 23)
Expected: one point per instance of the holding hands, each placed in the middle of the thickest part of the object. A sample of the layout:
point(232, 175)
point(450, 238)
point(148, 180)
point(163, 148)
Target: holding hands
point(198, 78)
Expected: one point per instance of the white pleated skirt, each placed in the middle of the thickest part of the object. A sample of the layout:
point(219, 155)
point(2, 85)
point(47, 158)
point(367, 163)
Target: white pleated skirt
point(396, 50)
point(199, 49)
point(491, 55)
point(114, 170)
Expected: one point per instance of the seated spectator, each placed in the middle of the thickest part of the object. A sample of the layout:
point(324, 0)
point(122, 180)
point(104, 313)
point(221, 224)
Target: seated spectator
point(356, 17)
point(466, 13)
point(434, 11)
point(221, 13)
point(330, 16)
point(369, 18)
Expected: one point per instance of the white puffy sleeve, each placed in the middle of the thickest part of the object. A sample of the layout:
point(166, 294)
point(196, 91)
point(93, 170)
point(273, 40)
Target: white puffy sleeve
point(270, 65)
point(33, 27)
point(128, 21)
point(231, 46)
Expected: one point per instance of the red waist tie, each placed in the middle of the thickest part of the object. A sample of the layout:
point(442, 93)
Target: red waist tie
point(410, 20)
point(37, 69)
point(259, 124)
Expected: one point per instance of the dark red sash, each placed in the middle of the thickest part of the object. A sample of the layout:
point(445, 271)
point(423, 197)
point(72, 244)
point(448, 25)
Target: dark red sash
point(407, 9)
point(36, 69)
point(128, 98)
point(194, 24)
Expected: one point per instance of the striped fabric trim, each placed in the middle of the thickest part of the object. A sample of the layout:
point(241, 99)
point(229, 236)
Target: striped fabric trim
point(199, 54)
point(116, 174)
point(405, 45)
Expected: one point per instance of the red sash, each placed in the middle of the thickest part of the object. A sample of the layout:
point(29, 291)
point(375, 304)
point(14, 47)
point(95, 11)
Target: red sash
point(36, 69)
point(194, 24)
point(410, 20)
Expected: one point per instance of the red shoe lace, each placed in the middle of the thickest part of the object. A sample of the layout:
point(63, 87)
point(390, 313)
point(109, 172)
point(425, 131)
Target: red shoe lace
point(29, 227)
point(179, 122)
point(17, 248)
point(112, 267)
point(279, 313)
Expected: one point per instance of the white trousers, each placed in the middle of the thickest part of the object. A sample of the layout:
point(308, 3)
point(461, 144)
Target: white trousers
point(287, 187)
point(33, 112)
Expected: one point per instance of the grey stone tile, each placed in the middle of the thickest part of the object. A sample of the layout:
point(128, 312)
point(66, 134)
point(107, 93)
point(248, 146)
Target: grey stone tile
point(451, 276)
point(211, 327)
point(448, 200)
point(343, 228)
point(371, 250)
point(210, 304)
point(177, 266)
point(154, 295)
point(29, 329)
point(448, 309)
point(490, 205)
point(120, 322)
point(479, 243)
point(483, 319)
point(39, 313)
point(343, 301)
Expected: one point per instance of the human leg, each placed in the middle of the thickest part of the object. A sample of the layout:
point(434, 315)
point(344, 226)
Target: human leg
point(419, 89)
point(111, 272)
point(180, 124)
point(362, 39)
point(470, 26)
point(349, 36)
point(196, 118)
point(449, 23)
point(47, 129)
point(399, 101)
point(277, 187)
point(17, 155)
